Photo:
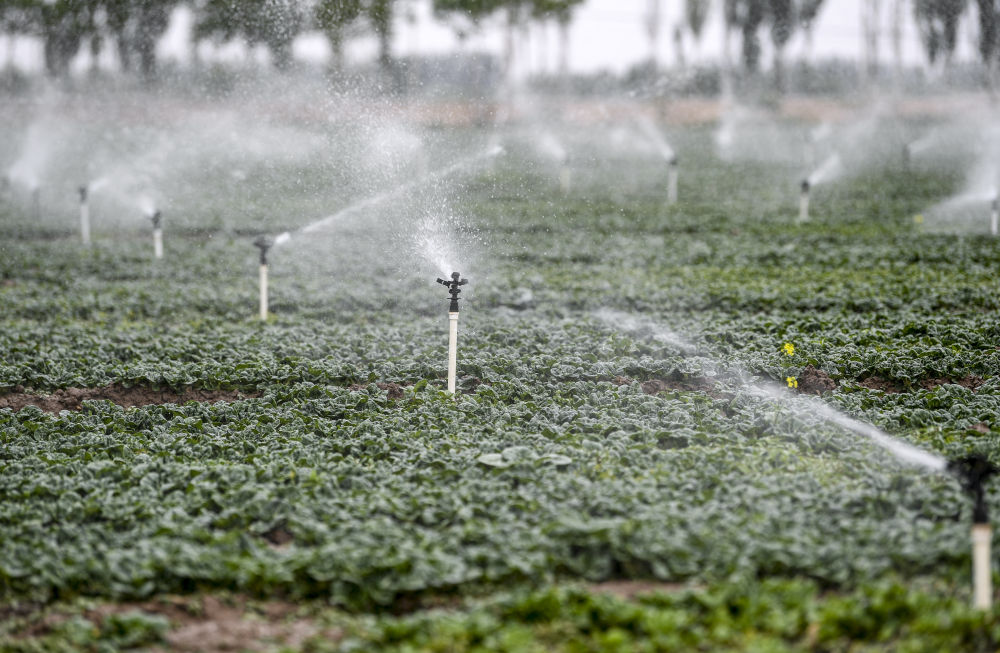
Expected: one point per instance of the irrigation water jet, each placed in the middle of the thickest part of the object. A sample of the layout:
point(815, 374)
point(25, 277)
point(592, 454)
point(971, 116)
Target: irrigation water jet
point(264, 244)
point(973, 471)
point(453, 289)
point(157, 218)
point(672, 180)
point(84, 215)
point(804, 200)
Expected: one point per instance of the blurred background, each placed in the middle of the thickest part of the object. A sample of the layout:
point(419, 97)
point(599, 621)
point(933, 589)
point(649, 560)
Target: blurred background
point(652, 47)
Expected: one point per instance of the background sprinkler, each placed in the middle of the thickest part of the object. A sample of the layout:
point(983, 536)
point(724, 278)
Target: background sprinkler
point(156, 219)
point(973, 471)
point(263, 243)
point(454, 290)
point(565, 178)
point(36, 201)
point(84, 216)
point(672, 180)
point(994, 213)
point(804, 200)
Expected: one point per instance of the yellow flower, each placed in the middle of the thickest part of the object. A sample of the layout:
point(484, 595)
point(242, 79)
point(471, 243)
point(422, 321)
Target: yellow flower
point(792, 382)
point(789, 349)
point(919, 218)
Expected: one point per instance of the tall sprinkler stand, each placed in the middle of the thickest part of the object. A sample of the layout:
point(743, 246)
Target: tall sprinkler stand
point(973, 471)
point(804, 201)
point(157, 218)
point(565, 178)
point(84, 216)
point(36, 202)
point(994, 214)
point(263, 243)
point(454, 290)
point(672, 180)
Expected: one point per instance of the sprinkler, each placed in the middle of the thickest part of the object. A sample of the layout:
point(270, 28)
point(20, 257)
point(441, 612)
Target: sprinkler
point(973, 471)
point(907, 156)
point(263, 243)
point(994, 214)
point(84, 216)
point(564, 176)
point(36, 201)
point(454, 290)
point(672, 180)
point(804, 201)
point(156, 218)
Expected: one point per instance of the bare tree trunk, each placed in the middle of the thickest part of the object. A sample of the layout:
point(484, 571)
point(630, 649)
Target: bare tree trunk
point(870, 15)
point(564, 50)
point(653, 30)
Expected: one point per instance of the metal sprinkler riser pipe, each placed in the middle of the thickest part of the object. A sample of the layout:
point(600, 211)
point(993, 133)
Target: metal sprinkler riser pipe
point(156, 217)
point(84, 216)
point(804, 200)
point(263, 243)
point(994, 215)
point(672, 180)
point(453, 290)
point(973, 471)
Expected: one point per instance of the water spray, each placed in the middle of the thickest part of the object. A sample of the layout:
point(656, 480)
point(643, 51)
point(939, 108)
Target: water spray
point(263, 243)
point(157, 218)
point(672, 180)
point(84, 216)
point(454, 290)
point(994, 214)
point(804, 201)
point(973, 471)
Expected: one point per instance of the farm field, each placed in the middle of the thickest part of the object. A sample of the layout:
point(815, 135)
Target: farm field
point(647, 449)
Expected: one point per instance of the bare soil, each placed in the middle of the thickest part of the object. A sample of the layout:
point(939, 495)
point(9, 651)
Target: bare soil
point(207, 623)
point(630, 589)
point(893, 387)
point(71, 398)
point(813, 381)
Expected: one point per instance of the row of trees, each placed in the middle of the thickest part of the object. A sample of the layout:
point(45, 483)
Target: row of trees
point(133, 27)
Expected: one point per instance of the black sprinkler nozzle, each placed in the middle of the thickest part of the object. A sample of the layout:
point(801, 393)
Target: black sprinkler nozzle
point(156, 217)
point(805, 185)
point(453, 288)
point(83, 193)
point(973, 471)
point(264, 243)
point(673, 161)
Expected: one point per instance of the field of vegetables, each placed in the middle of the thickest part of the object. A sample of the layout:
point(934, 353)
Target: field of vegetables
point(605, 478)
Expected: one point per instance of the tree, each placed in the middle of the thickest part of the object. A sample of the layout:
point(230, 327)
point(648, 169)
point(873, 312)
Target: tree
point(379, 13)
point(562, 12)
point(273, 23)
point(808, 11)
point(18, 17)
point(63, 25)
point(989, 35)
point(937, 21)
point(695, 14)
point(782, 21)
point(136, 26)
point(333, 17)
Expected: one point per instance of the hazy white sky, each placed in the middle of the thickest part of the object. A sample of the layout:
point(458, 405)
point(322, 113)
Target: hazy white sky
point(605, 35)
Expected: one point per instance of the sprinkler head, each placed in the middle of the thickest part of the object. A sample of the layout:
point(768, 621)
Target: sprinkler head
point(264, 243)
point(995, 204)
point(156, 217)
point(83, 193)
point(805, 185)
point(973, 471)
point(453, 288)
point(672, 162)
